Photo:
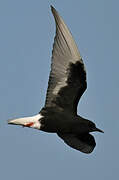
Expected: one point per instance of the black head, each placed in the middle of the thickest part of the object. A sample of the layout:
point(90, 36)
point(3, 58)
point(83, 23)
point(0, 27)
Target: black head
point(92, 127)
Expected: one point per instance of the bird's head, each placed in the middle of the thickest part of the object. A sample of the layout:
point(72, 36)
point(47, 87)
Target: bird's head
point(92, 127)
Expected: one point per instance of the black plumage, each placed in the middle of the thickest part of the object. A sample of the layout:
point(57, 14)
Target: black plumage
point(67, 83)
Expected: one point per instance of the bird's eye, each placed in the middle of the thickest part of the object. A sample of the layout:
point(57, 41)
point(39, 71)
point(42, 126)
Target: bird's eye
point(92, 125)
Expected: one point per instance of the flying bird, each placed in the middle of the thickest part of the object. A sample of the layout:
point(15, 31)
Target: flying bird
point(67, 83)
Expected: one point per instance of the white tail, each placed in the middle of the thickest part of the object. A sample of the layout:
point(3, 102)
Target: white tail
point(32, 121)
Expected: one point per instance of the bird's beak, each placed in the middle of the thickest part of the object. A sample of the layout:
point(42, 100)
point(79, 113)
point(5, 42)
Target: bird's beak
point(99, 130)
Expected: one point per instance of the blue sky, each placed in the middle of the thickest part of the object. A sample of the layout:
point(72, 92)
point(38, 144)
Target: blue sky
point(27, 32)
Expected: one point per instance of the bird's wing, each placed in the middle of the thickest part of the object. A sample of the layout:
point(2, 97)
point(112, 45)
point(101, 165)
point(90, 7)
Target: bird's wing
point(67, 80)
point(84, 143)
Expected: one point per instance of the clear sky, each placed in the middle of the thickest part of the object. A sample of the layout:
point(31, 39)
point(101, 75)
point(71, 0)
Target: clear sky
point(27, 32)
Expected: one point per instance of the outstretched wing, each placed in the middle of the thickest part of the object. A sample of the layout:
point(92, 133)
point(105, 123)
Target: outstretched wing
point(84, 143)
point(67, 80)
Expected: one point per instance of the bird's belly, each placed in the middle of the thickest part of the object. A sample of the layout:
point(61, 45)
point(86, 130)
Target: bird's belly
point(56, 121)
point(55, 125)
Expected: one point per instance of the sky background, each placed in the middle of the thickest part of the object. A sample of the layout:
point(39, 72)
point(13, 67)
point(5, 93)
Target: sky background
point(27, 32)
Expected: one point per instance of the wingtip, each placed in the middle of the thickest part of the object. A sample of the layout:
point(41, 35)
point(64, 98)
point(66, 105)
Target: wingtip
point(53, 10)
point(51, 7)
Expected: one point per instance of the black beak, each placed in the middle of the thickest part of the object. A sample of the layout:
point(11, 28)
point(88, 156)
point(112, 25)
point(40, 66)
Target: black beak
point(99, 130)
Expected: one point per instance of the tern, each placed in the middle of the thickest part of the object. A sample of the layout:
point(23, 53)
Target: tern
point(67, 83)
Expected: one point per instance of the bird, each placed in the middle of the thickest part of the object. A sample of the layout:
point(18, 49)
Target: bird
point(66, 85)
